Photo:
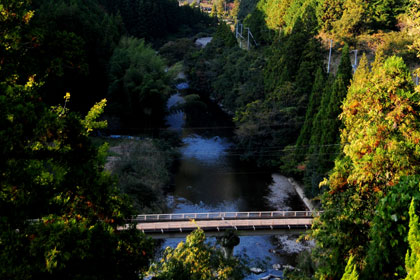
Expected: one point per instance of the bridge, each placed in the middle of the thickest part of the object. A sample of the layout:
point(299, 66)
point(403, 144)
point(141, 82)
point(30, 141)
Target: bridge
point(214, 224)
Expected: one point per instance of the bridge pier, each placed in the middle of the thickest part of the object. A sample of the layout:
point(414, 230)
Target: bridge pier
point(227, 242)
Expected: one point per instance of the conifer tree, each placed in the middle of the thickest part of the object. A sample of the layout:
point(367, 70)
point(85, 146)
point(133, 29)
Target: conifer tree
point(314, 103)
point(380, 140)
point(324, 141)
point(350, 272)
point(412, 260)
point(235, 10)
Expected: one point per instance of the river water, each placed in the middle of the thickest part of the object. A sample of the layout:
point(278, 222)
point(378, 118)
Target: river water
point(211, 178)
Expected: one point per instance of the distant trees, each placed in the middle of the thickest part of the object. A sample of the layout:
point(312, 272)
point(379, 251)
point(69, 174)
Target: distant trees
point(75, 40)
point(153, 20)
point(344, 19)
point(139, 85)
point(302, 143)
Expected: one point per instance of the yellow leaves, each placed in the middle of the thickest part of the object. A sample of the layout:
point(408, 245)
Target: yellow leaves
point(51, 259)
point(67, 96)
point(27, 17)
point(31, 82)
point(90, 122)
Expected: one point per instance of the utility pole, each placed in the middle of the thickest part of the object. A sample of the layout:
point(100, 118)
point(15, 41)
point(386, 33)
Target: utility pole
point(248, 37)
point(355, 61)
point(329, 57)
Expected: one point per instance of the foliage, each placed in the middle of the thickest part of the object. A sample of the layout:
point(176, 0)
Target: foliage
point(350, 273)
point(341, 231)
point(52, 173)
point(75, 40)
point(412, 21)
point(324, 144)
point(194, 259)
point(139, 85)
point(246, 7)
point(174, 51)
point(157, 19)
point(380, 144)
point(15, 34)
point(60, 212)
point(142, 169)
point(412, 260)
point(388, 246)
point(302, 143)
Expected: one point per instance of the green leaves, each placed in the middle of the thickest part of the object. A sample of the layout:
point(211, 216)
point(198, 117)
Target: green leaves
point(139, 85)
point(195, 260)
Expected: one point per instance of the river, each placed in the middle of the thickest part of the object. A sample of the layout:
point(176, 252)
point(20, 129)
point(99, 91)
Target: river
point(210, 178)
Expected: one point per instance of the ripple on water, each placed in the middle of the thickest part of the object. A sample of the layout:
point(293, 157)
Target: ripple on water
point(205, 149)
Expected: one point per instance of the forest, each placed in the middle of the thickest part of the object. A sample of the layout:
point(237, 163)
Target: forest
point(326, 92)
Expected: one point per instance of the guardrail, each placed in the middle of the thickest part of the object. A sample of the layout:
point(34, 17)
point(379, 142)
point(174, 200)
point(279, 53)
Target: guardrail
point(223, 216)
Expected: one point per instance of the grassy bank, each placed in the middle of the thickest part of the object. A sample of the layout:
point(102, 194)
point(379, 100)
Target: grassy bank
point(142, 169)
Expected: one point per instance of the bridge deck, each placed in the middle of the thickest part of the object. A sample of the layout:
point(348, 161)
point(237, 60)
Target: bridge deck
point(206, 225)
point(247, 223)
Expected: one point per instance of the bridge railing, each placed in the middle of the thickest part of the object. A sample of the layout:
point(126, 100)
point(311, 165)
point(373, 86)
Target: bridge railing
point(223, 216)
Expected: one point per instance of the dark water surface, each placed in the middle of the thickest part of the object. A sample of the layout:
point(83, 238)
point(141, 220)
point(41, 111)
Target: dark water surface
point(210, 178)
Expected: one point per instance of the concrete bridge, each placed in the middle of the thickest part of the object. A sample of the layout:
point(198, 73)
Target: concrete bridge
point(214, 224)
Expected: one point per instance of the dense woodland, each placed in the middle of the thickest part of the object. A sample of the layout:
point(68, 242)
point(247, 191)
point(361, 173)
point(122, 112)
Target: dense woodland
point(348, 131)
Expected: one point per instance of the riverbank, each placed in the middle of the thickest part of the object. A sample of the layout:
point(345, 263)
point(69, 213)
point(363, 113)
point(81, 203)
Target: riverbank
point(143, 170)
point(300, 191)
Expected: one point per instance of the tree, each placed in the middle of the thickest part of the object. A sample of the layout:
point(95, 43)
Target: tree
point(235, 10)
point(139, 85)
point(412, 19)
point(329, 11)
point(388, 247)
point(195, 260)
point(370, 140)
point(324, 144)
point(75, 41)
point(350, 273)
point(275, 11)
point(220, 7)
point(60, 212)
point(302, 142)
point(380, 145)
point(412, 260)
point(354, 19)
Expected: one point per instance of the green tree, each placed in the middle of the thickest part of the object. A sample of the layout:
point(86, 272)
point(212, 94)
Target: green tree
point(275, 11)
point(139, 85)
point(220, 7)
point(329, 11)
point(324, 144)
point(412, 260)
point(194, 259)
point(75, 41)
point(302, 143)
point(350, 273)
point(235, 10)
point(380, 145)
point(388, 247)
point(60, 212)
point(354, 19)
